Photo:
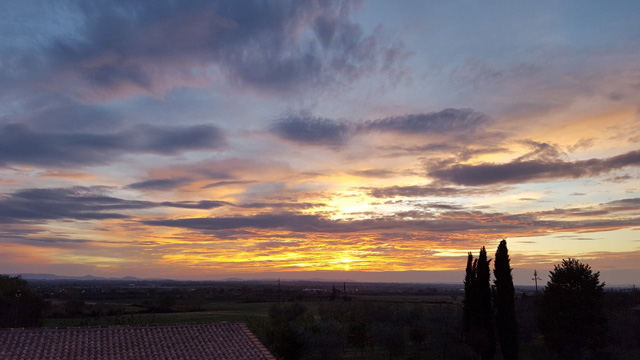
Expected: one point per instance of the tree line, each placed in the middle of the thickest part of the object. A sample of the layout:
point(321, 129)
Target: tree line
point(19, 306)
point(570, 316)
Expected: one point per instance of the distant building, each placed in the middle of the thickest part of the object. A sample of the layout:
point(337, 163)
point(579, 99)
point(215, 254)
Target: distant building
point(210, 341)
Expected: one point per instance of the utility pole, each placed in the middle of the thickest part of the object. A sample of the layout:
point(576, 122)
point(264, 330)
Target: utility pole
point(536, 278)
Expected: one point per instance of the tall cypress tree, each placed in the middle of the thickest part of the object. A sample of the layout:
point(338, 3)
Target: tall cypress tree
point(469, 296)
point(505, 307)
point(472, 324)
point(488, 343)
point(477, 310)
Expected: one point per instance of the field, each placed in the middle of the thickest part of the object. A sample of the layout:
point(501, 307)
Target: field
point(215, 311)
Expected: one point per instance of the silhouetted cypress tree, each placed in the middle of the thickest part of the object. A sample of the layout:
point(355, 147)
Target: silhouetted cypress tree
point(488, 340)
point(469, 296)
point(477, 311)
point(505, 307)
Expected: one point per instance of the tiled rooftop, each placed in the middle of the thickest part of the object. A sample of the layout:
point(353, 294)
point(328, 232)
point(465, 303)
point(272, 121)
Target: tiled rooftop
point(211, 341)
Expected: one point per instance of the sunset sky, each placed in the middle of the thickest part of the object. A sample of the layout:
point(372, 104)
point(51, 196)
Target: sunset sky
point(375, 140)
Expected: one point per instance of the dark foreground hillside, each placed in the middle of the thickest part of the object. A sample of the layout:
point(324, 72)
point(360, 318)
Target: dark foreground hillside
point(316, 320)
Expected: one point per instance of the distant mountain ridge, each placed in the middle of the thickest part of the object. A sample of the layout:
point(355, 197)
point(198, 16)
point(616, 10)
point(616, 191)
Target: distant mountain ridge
point(133, 278)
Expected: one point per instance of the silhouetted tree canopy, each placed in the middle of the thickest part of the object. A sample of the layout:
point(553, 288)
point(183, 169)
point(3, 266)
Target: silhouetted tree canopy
point(19, 306)
point(505, 306)
point(572, 317)
point(287, 330)
point(477, 311)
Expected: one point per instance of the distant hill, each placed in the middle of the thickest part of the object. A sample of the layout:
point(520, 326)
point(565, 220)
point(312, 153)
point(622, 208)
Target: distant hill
point(86, 277)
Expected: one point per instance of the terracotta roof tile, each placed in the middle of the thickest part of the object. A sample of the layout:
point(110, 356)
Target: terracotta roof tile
point(211, 341)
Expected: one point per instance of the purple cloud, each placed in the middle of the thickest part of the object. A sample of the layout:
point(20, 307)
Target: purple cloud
point(19, 144)
point(151, 46)
point(532, 170)
point(310, 130)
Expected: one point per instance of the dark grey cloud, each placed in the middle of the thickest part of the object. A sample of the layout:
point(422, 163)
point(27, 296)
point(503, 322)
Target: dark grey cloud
point(263, 221)
point(445, 218)
point(629, 206)
point(170, 140)
point(400, 150)
point(213, 174)
point(160, 184)
point(19, 144)
point(441, 206)
point(202, 205)
point(66, 243)
point(583, 143)
point(619, 179)
point(427, 190)
point(274, 45)
point(589, 225)
point(227, 183)
point(532, 170)
point(312, 130)
point(318, 224)
point(445, 121)
point(93, 203)
point(616, 96)
point(540, 151)
point(79, 203)
point(625, 204)
point(69, 117)
point(281, 205)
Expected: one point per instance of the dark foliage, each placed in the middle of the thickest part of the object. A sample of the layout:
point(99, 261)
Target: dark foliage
point(488, 340)
point(505, 306)
point(424, 319)
point(74, 308)
point(19, 306)
point(477, 310)
point(572, 318)
point(469, 302)
point(287, 328)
